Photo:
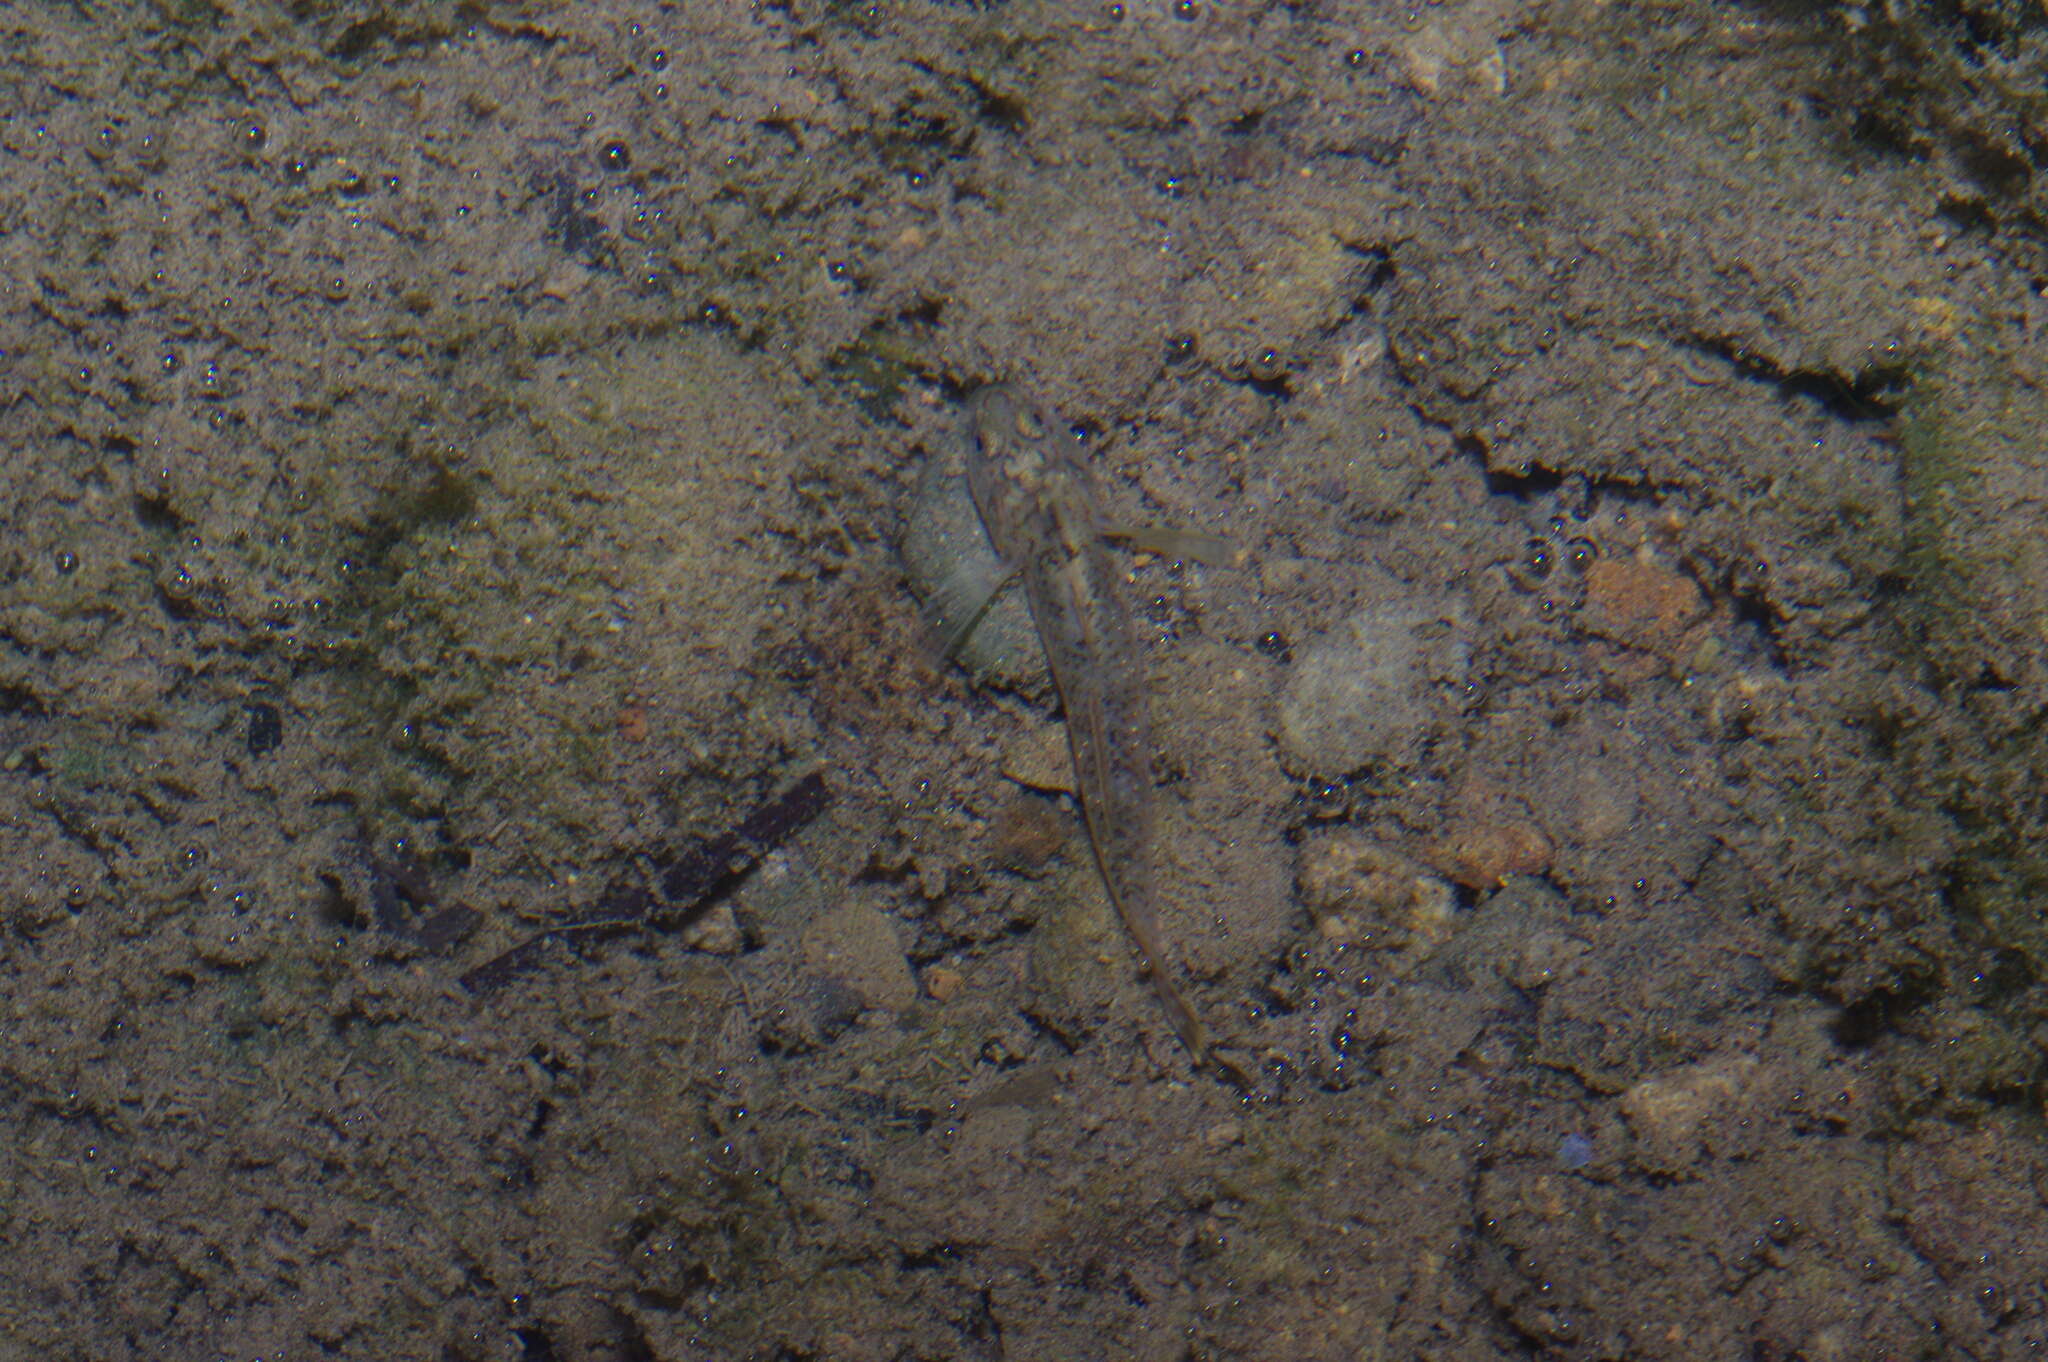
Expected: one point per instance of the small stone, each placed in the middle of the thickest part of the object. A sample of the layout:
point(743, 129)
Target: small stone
point(1671, 1116)
point(857, 946)
point(941, 983)
point(1484, 855)
point(1039, 760)
point(715, 933)
point(1643, 605)
point(973, 606)
point(1224, 1134)
point(1364, 893)
point(633, 723)
point(1545, 956)
point(1369, 692)
point(1025, 832)
point(564, 281)
point(1278, 576)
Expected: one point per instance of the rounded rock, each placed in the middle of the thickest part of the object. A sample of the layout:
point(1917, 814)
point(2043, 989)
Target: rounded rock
point(982, 618)
point(1371, 691)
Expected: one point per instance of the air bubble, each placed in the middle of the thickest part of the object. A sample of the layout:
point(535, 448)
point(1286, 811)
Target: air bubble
point(1532, 568)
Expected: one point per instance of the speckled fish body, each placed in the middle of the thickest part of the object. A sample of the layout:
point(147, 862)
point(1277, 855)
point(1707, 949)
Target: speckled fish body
point(1040, 507)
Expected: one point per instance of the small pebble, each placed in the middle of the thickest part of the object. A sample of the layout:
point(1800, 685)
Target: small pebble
point(266, 728)
point(1039, 760)
point(1643, 605)
point(856, 946)
point(1025, 832)
point(1484, 855)
point(715, 933)
point(941, 983)
point(1545, 956)
point(1364, 893)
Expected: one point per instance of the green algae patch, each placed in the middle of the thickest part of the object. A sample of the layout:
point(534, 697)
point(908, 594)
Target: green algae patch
point(1975, 615)
point(1976, 572)
point(1935, 473)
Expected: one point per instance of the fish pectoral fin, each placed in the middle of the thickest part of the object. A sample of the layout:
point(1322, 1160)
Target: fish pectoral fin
point(1204, 1047)
point(1210, 550)
point(1233, 1072)
point(958, 609)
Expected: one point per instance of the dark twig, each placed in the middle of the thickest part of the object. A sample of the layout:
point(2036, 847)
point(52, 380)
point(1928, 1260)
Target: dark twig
point(690, 884)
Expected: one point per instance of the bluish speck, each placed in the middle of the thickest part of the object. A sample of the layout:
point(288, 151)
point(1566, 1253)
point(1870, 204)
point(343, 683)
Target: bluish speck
point(1574, 1151)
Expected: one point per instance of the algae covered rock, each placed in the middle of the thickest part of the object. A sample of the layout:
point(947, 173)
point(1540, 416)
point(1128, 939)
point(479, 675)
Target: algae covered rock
point(1372, 690)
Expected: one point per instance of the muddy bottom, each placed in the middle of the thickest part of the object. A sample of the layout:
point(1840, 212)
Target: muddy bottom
point(527, 837)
